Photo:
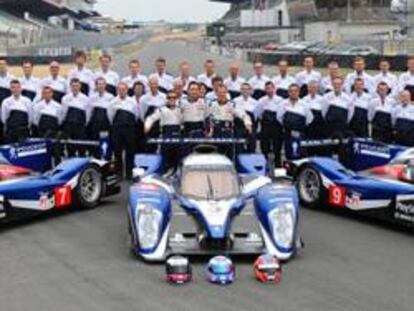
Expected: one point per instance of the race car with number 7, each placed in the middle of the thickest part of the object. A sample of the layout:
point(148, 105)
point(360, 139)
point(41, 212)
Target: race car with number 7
point(384, 191)
point(78, 182)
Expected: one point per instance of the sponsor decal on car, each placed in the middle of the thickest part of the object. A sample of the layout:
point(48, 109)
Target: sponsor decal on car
point(371, 149)
point(27, 151)
point(404, 208)
point(353, 200)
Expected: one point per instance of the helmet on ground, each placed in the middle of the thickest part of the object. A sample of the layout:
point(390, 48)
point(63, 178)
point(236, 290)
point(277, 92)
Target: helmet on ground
point(220, 270)
point(267, 269)
point(178, 270)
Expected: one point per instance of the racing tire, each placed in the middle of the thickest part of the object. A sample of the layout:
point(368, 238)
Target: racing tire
point(309, 186)
point(90, 187)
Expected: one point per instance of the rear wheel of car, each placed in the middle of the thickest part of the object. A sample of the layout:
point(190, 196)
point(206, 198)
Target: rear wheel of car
point(89, 190)
point(309, 184)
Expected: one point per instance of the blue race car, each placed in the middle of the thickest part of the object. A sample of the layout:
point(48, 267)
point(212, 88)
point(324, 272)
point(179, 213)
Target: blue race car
point(207, 205)
point(78, 182)
point(384, 190)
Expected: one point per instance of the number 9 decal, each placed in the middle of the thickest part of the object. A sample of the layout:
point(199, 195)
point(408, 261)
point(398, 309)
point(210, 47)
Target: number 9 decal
point(337, 196)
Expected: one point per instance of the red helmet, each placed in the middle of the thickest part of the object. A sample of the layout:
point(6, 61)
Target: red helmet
point(267, 269)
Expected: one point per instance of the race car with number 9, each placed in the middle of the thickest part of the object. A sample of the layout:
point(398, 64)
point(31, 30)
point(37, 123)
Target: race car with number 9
point(383, 191)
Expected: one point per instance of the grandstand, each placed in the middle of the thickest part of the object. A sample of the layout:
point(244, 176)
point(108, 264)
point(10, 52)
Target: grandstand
point(30, 27)
point(353, 21)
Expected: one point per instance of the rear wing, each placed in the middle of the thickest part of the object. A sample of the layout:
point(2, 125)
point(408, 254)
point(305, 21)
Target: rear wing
point(37, 153)
point(356, 154)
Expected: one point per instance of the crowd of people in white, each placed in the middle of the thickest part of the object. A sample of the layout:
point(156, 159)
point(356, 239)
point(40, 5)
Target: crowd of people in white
point(269, 109)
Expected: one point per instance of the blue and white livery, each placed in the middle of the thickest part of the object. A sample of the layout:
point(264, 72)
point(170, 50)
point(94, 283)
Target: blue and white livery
point(218, 199)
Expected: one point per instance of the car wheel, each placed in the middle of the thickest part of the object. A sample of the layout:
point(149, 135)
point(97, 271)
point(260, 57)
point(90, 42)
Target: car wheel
point(89, 190)
point(309, 184)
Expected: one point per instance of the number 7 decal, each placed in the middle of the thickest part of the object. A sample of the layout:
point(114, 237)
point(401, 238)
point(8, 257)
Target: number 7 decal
point(63, 196)
point(337, 196)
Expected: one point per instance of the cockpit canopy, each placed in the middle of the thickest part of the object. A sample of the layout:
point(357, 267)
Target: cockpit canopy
point(212, 183)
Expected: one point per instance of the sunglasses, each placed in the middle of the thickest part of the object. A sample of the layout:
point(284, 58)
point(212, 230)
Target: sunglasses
point(171, 97)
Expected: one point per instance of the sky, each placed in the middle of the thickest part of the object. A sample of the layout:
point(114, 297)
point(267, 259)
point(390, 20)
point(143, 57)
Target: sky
point(170, 10)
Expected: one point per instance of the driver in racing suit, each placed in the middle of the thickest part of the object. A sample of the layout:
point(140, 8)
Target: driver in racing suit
point(222, 114)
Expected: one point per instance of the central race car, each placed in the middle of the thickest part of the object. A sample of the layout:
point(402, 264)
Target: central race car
point(211, 206)
point(77, 182)
point(383, 187)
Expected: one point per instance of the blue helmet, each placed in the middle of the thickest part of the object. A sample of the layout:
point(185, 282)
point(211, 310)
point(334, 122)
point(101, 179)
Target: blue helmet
point(220, 270)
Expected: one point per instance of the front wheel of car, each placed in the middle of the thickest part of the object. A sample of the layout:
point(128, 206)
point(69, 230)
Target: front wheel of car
point(309, 184)
point(89, 190)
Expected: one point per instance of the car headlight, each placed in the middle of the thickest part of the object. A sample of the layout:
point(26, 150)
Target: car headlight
point(282, 220)
point(149, 225)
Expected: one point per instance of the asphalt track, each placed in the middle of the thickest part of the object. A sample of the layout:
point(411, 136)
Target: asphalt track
point(80, 262)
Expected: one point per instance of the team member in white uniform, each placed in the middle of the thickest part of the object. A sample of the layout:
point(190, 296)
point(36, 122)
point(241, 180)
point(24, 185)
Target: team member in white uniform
point(326, 82)
point(165, 81)
point(195, 111)
point(185, 75)
point(212, 96)
point(314, 101)
point(30, 84)
point(406, 80)
point(153, 99)
point(135, 76)
point(381, 114)
point(359, 73)
point(82, 73)
point(222, 116)
point(386, 76)
point(5, 79)
point(16, 114)
point(336, 107)
point(271, 135)
point(307, 75)
point(178, 89)
point(98, 112)
point(139, 92)
point(110, 76)
point(75, 112)
point(47, 119)
point(149, 103)
point(208, 75)
point(283, 80)
point(234, 81)
point(47, 114)
point(247, 103)
point(258, 81)
point(56, 82)
point(404, 120)
point(170, 119)
point(123, 115)
point(358, 114)
point(295, 116)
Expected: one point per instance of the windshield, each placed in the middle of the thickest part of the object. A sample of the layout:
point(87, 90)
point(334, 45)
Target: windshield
point(210, 184)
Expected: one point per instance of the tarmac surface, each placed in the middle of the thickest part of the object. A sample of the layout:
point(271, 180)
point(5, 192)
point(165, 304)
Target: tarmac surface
point(80, 261)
